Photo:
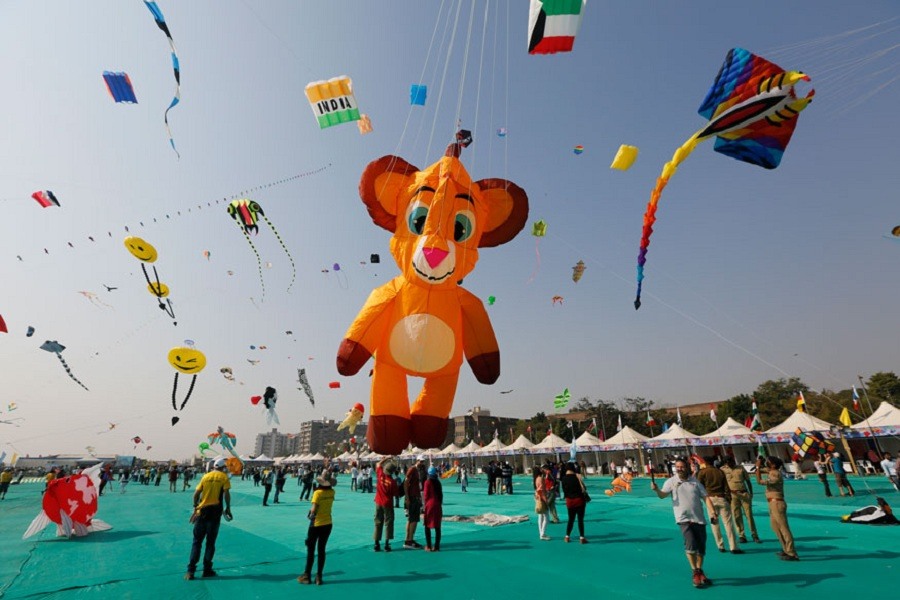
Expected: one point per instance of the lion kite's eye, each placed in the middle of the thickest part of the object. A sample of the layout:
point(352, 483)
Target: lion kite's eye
point(417, 218)
point(463, 227)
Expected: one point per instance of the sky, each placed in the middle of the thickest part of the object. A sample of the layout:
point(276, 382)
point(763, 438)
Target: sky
point(752, 274)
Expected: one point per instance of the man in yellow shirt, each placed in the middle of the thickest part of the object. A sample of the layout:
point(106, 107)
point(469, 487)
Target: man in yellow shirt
point(5, 479)
point(211, 494)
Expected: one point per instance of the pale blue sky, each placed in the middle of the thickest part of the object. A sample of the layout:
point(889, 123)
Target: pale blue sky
point(752, 274)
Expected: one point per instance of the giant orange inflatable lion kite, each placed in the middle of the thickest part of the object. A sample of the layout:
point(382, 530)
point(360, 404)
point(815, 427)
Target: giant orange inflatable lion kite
point(422, 322)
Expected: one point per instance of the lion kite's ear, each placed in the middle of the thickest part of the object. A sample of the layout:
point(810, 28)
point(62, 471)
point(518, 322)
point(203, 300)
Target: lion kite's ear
point(507, 211)
point(382, 184)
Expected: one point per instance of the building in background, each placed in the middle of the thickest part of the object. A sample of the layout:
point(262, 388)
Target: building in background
point(479, 425)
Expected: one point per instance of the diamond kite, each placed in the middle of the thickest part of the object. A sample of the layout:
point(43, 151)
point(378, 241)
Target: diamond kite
point(752, 110)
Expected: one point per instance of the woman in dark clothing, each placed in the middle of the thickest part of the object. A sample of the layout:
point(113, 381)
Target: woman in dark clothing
point(434, 498)
point(574, 493)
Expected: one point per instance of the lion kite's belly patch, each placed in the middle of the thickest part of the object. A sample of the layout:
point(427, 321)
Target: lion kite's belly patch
point(422, 343)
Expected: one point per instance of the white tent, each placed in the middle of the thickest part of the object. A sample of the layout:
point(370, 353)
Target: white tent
point(468, 449)
point(449, 450)
point(627, 438)
point(675, 436)
point(588, 442)
point(728, 428)
point(316, 456)
point(886, 415)
point(804, 420)
point(521, 443)
point(550, 444)
point(493, 448)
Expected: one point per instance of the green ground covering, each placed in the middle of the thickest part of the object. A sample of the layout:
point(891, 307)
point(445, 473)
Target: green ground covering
point(635, 549)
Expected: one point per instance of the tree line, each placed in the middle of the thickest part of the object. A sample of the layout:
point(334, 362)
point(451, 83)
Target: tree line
point(775, 399)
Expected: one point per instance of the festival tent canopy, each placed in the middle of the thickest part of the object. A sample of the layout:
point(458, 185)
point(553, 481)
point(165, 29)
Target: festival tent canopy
point(803, 420)
point(469, 448)
point(730, 432)
point(493, 448)
point(521, 443)
point(886, 415)
point(588, 441)
point(317, 456)
point(885, 421)
point(451, 449)
point(552, 443)
point(673, 437)
point(627, 438)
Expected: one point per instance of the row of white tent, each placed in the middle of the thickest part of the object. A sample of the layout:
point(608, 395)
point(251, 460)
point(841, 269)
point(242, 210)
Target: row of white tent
point(884, 421)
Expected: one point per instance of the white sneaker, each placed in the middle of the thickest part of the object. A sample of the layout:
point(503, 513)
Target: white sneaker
point(545, 538)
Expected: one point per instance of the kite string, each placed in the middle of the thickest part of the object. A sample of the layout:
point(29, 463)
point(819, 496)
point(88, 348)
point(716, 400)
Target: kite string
point(449, 53)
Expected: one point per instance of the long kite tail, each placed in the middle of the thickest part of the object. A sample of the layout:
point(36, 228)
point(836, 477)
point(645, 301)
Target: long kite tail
point(650, 215)
point(537, 264)
point(286, 251)
point(69, 371)
point(161, 23)
point(258, 261)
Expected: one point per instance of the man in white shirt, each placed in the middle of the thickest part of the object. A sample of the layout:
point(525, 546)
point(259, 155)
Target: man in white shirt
point(890, 470)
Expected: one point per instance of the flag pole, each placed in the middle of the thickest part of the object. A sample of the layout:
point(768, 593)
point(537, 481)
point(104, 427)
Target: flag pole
point(865, 393)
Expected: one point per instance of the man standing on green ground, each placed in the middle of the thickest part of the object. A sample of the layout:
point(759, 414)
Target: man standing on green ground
point(688, 496)
point(413, 491)
point(211, 494)
point(385, 491)
point(741, 498)
point(716, 485)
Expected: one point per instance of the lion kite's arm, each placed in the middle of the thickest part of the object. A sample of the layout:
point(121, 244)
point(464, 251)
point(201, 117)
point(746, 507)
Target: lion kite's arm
point(479, 343)
point(367, 329)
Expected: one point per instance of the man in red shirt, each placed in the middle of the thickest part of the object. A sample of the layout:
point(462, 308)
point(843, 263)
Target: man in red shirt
point(386, 490)
point(413, 492)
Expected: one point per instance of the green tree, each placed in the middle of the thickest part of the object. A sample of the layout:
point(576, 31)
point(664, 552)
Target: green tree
point(883, 386)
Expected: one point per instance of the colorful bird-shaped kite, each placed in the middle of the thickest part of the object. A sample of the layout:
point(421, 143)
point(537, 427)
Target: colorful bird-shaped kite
point(752, 110)
point(246, 214)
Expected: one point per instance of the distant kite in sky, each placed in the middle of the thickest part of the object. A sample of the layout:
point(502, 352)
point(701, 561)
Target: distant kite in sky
point(95, 299)
point(146, 253)
point(56, 348)
point(896, 231)
point(752, 110)
point(119, 87)
point(304, 385)
point(624, 158)
point(418, 94)
point(578, 271)
point(501, 132)
point(578, 149)
point(45, 198)
point(268, 399)
point(538, 230)
point(161, 23)
point(491, 300)
point(352, 418)
point(557, 300)
point(553, 25)
point(332, 101)
point(246, 214)
point(3, 328)
point(253, 362)
point(187, 360)
point(562, 400)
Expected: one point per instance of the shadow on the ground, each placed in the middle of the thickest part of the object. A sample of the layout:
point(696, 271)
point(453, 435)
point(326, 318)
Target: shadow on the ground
point(794, 579)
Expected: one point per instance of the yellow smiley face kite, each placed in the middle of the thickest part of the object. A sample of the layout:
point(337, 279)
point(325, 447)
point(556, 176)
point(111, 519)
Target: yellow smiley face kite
point(140, 249)
point(187, 360)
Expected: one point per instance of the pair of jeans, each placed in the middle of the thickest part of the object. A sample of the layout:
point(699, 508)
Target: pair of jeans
point(316, 539)
point(206, 527)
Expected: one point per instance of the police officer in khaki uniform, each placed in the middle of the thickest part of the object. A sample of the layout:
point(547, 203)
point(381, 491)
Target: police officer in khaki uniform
point(741, 498)
point(774, 483)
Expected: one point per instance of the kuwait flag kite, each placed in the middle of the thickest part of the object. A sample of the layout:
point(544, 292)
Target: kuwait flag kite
point(553, 24)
